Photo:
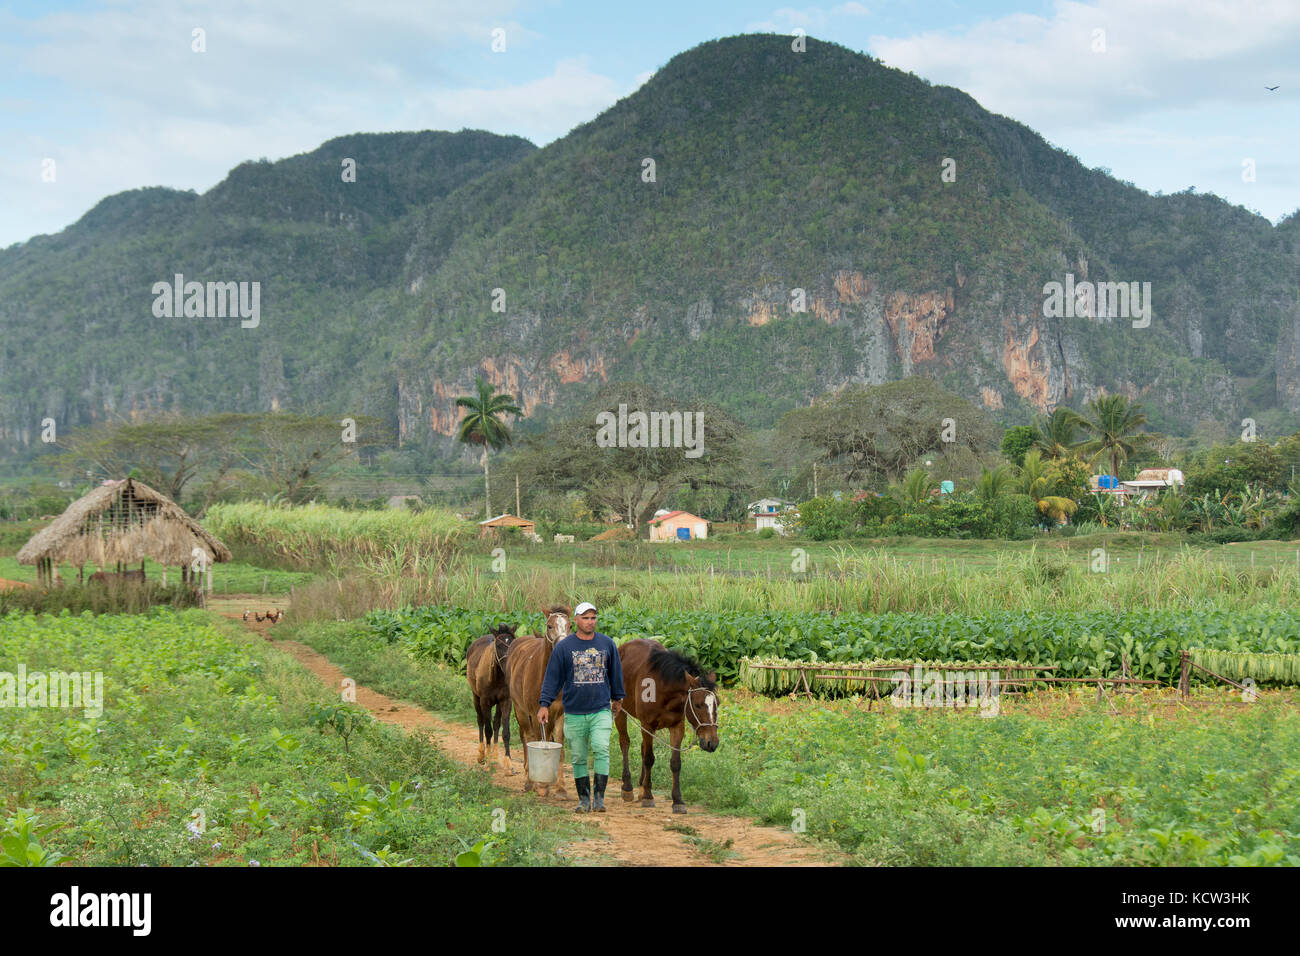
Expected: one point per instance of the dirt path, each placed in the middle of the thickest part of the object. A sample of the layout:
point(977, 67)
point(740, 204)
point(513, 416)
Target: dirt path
point(632, 835)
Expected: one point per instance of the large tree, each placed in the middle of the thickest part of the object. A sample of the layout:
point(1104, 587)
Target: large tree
point(168, 452)
point(482, 425)
point(880, 432)
point(575, 455)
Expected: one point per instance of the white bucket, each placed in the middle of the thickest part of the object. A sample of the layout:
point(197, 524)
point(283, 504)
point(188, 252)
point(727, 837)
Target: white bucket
point(544, 761)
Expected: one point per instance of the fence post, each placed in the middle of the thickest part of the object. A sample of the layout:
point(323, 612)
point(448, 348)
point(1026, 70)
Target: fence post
point(1184, 678)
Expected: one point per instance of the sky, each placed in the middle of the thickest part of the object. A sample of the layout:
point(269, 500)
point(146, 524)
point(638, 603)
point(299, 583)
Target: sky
point(101, 96)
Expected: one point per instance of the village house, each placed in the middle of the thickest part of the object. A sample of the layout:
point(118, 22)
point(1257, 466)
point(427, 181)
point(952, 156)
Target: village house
point(678, 526)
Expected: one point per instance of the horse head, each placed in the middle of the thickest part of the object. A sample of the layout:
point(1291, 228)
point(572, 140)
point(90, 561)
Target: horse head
point(702, 708)
point(559, 620)
point(503, 636)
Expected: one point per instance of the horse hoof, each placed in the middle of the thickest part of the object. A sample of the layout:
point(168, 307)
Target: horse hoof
point(679, 808)
point(628, 796)
point(647, 803)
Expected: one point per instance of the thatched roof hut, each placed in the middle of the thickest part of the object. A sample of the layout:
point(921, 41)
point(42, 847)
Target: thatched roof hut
point(121, 522)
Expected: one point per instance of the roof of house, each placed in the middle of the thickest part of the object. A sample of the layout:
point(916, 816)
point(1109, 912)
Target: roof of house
point(123, 520)
point(674, 514)
point(506, 520)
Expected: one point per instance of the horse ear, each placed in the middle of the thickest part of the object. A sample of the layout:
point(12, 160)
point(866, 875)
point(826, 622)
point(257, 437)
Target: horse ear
point(692, 681)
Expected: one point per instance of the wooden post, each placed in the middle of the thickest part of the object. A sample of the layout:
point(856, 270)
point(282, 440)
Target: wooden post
point(264, 584)
point(1185, 677)
point(518, 510)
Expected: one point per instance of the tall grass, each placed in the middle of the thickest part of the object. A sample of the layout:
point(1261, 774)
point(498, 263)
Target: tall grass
point(877, 583)
point(318, 537)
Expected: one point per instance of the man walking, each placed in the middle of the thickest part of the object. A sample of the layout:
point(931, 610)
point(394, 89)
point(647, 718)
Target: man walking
point(585, 666)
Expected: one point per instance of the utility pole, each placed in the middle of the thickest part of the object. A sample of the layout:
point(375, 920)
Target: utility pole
point(814, 479)
point(518, 512)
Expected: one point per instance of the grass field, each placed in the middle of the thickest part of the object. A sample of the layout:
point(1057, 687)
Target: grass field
point(209, 751)
point(1211, 782)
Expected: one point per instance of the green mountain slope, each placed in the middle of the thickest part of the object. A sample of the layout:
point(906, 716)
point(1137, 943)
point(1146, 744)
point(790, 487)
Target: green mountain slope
point(774, 172)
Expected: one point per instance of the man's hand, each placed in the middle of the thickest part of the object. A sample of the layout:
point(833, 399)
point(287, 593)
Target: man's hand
point(543, 715)
point(617, 705)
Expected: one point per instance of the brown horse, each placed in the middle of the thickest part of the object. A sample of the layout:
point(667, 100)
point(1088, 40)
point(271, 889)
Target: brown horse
point(485, 667)
point(525, 671)
point(665, 689)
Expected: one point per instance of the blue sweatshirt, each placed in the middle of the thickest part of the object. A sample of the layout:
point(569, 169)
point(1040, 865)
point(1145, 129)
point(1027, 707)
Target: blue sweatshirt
point(588, 672)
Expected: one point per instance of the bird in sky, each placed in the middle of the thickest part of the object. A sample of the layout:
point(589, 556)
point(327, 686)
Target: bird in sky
point(1270, 88)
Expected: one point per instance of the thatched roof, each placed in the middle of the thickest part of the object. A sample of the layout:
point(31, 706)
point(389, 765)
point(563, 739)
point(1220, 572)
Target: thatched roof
point(123, 521)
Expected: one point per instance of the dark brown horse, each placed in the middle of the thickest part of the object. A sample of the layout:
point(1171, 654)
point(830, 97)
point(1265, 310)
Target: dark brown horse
point(485, 667)
point(665, 690)
point(525, 671)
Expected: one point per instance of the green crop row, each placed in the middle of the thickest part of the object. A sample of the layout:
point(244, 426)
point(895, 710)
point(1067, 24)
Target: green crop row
point(776, 676)
point(1239, 665)
point(1079, 644)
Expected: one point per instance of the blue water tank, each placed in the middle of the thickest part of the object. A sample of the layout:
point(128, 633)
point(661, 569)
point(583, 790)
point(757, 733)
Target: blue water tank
point(946, 487)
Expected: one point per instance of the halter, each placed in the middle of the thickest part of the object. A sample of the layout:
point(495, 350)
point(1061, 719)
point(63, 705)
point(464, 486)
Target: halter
point(546, 628)
point(690, 707)
point(496, 652)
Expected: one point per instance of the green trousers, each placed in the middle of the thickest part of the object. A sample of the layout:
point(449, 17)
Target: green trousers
point(583, 731)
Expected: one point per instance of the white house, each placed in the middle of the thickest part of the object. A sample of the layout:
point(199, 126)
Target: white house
point(1152, 480)
point(777, 522)
point(766, 506)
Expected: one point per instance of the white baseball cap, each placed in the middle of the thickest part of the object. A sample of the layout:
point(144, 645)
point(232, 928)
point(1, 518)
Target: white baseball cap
point(584, 607)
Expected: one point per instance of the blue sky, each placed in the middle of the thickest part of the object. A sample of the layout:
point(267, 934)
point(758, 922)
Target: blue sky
point(114, 94)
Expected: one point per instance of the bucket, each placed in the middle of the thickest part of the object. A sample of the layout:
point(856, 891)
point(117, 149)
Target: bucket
point(544, 760)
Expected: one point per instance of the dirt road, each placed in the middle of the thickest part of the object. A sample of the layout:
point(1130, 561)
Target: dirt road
point(632, 835)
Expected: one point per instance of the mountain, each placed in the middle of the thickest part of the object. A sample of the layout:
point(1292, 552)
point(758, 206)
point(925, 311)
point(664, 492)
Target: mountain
point(773, 172)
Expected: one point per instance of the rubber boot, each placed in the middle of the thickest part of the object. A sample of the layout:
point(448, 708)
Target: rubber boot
point(583, 785)
point(598, 801)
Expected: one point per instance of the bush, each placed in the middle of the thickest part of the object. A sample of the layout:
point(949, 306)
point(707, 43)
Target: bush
point(825, 518)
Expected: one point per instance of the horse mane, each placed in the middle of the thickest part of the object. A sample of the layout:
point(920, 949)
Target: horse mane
point(674, 666)
point(558, 608)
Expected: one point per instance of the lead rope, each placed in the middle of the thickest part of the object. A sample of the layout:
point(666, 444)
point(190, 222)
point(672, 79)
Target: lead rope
point(688, 705)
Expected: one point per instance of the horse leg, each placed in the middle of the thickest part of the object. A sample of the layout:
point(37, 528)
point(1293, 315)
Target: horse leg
point(621, 722)
point(675, 762)
point(484, 724)
point(495, 711)
point(647, 761)
point(505, 734)
point(523, 739)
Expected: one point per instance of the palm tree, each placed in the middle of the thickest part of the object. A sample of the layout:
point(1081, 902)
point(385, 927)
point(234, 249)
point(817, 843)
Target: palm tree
point(482, 425)
point(1034, 479)
point(993, 484)
point(1115, 429)
point(916, 486)
point(1057, 432)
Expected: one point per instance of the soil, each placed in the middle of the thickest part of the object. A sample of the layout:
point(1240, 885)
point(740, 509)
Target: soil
point(631, 835)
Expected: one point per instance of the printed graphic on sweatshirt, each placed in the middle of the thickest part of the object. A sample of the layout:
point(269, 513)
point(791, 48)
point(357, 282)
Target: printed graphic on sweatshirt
point(589, 666)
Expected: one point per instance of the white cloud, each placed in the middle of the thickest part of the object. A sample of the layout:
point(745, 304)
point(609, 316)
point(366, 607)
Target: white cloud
point(122, 101)
point(1157, 55)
